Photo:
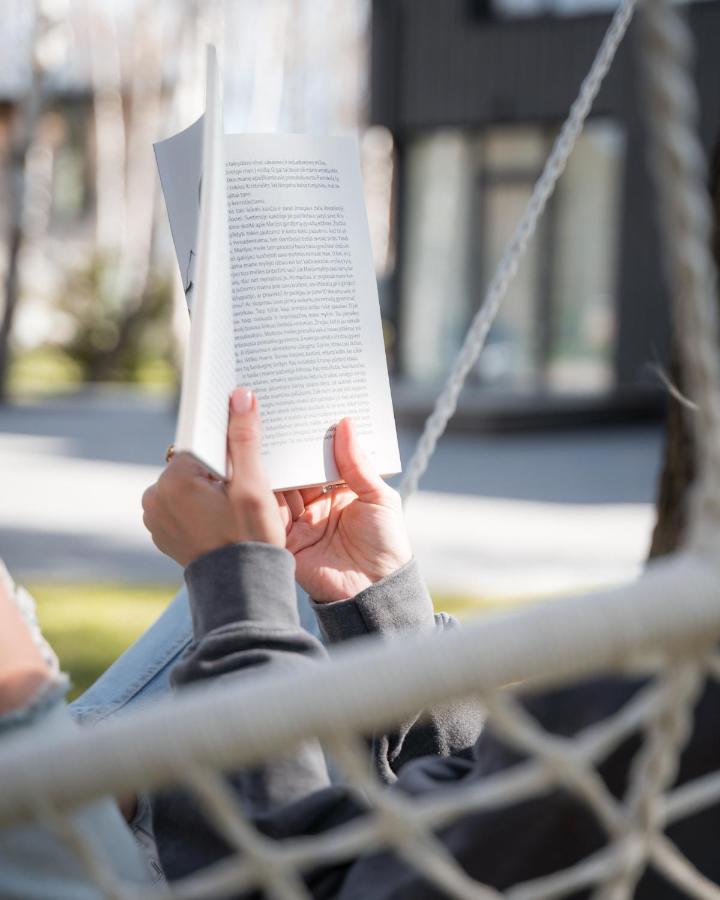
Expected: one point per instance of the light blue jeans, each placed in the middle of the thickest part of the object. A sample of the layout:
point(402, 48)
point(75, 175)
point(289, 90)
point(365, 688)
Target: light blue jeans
point(142, 673)
point(35, 864)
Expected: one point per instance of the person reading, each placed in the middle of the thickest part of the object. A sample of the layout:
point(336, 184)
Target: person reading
point(242, 547)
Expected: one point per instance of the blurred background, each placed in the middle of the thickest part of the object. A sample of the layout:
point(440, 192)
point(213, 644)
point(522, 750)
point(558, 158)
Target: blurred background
point(545, 482)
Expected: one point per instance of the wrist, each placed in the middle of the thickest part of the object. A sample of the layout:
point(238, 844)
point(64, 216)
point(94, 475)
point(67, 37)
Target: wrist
point(19, 687)
point(351, 586)
point(235, 539)
point(398, 603)
point(249, 581)
point(354, 583)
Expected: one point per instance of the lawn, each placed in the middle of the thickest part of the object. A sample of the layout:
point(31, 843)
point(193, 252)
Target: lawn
point(90, 625)
point(47, 370)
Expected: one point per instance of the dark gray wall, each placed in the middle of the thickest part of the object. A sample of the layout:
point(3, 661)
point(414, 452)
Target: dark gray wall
point(434, 65)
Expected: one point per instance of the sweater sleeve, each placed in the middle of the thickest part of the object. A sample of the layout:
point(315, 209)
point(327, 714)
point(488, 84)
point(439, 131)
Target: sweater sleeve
point(396, 605)
point(244, 614)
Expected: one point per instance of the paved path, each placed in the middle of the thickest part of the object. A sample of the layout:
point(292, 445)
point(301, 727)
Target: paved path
point(500, 514)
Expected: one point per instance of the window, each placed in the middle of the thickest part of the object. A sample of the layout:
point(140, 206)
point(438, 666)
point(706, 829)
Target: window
point(465, 195)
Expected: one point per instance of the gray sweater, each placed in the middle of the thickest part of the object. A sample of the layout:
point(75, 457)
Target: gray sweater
point(244, 617)
point(244, 612)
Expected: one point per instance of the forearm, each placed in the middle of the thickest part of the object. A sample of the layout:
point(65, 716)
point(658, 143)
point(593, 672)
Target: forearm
point(23, 671)
point(245, 622)
point(244, 612)
point(400, 604)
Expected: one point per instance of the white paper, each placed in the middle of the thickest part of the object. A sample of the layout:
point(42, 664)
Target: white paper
point(209, 372)
point(272, 242)
point(308, 335)
point(179, 162)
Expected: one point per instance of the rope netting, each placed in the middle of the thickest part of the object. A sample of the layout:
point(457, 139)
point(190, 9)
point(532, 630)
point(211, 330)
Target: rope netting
point(666, 626)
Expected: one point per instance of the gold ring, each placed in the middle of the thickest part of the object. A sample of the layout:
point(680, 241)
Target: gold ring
point(169, 453)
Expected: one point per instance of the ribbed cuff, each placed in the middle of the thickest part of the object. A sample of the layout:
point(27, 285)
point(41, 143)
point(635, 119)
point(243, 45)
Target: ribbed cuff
point(242, 582)
point(49, 695)
point(400, 602)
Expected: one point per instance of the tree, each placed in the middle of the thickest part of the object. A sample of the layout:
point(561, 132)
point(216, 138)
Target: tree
point(678, 469)
point(24, 128)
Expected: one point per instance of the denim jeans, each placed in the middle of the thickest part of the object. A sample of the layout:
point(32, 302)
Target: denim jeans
point(142, 673)
point(34, 863)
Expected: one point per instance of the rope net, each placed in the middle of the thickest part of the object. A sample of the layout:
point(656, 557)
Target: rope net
point(664, 627)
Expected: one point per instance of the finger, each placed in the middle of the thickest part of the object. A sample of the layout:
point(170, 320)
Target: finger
point(183, 465)
point(310, 495)
point(353, 463)
point(295, 503)
point(284, 509)
point(244, 438)
point(148, 497)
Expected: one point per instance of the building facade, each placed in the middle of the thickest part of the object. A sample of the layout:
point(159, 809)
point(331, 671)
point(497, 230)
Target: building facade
point(474, 102)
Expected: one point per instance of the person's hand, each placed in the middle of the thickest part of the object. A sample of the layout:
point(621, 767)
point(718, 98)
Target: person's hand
point(188, 513)
point(23, 669)
point(347, 538)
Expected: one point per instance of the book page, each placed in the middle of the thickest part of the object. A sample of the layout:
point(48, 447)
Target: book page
point(307, 328)
point(209, 372)
point(179, 161)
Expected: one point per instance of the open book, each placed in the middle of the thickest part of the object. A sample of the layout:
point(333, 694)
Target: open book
point(272, 241)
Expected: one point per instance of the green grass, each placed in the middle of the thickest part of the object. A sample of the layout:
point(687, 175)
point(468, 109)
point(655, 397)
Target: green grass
point(463, 607)
point(156, 375)
point(44, 370)
point(90, 625)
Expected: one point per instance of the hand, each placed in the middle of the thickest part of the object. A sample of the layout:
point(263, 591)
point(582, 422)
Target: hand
point(188, 513)
point(22, 668)
point(350, 537)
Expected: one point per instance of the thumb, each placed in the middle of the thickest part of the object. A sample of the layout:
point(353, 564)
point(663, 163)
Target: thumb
point(353, 464)
point(244, 437)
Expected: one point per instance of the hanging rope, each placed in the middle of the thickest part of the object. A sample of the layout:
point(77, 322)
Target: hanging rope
point(372, 686)
point(446, 402)
point(686, 218)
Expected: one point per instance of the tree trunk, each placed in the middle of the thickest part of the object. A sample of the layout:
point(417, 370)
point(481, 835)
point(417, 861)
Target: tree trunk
point(24, 131)
point(110, 140)
point(138, 206)
point(678, 471)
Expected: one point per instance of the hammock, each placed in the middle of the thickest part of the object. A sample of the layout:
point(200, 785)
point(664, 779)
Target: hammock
point(666, 624)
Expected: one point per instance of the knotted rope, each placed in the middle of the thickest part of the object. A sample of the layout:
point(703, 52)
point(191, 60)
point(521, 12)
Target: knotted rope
point(514, 251)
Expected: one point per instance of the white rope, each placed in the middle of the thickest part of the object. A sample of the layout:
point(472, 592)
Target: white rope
point(400, 829)
point(187, 739)
point(680, 871)
point(686, 216)
point(446, 402)
point(258, 853)
point(403, 824)
point(691, 798)
point(653, 772)
point(519, 730)
point(80, 843)
point(373, 686)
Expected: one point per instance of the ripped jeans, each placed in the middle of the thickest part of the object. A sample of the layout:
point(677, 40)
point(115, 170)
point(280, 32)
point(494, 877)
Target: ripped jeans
point(35, 863)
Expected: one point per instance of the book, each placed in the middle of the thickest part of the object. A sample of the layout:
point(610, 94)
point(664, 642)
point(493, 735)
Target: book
point(273, 245)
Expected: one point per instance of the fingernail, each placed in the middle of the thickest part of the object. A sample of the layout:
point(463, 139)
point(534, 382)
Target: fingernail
point(242, 400)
